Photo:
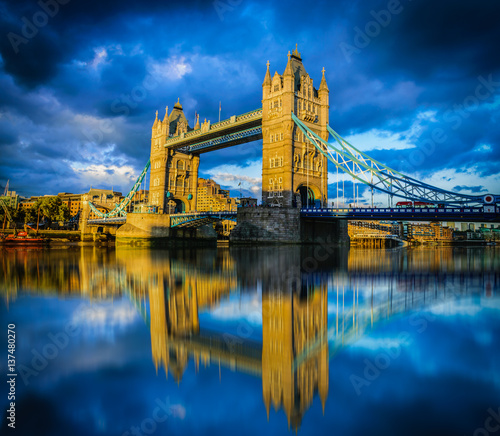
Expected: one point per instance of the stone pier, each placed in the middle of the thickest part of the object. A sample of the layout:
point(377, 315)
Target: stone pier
point(145, 229)
point(283, 225)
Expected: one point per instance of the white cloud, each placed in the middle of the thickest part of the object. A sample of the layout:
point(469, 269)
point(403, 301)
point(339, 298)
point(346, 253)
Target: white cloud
point(380, 343)
point(376, 139)
point(232, 174)
point(100, 57)
point(248, 308)
point(104, 318)
point(173, 68)
point(105, 175)
point(483, 148)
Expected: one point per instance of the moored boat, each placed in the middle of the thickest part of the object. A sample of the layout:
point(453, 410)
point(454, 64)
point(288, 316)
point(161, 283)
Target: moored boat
point(22, 238)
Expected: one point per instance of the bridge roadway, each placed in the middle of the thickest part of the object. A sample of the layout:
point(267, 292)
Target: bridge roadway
point(466, 214)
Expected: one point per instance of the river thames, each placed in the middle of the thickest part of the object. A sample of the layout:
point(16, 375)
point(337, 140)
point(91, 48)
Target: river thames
point(252, 340)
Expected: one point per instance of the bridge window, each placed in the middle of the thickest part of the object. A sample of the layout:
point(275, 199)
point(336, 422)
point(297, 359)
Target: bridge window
point(157, 182)
point(281, 136)
point(180, 165)
point(276, 88)
point(186, 183)
point(271, 163)
point(276, 103)
point(271, 138)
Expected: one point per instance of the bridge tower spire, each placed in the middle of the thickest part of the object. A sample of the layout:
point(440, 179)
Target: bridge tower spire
point(292, 168)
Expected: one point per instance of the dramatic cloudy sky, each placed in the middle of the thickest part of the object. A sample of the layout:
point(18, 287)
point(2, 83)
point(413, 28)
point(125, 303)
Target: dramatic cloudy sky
point(81, 80)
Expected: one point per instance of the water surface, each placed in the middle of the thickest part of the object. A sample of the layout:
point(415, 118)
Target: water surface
point(266, 340)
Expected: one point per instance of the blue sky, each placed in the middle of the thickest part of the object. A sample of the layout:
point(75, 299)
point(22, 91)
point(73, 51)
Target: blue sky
point(416, 84)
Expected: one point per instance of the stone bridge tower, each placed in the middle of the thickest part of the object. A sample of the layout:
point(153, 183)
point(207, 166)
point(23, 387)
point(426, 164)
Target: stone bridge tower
point(292, 168)
point(174, 175)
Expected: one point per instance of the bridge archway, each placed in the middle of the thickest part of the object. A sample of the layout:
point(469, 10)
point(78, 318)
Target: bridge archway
point(176, 205)
point(310, 195)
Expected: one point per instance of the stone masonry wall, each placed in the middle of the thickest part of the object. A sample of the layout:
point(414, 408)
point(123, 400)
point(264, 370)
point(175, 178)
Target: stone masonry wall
point(284, 225)
point(267, 225)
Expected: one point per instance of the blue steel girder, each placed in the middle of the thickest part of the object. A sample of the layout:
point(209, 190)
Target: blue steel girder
point(236, 130)
point(111, 221)
point(224, 141)
point(368, 171)
point(199, 219)
point(119, 209)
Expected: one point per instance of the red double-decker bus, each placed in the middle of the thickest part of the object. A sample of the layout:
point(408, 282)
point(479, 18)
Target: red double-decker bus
point(411, 204)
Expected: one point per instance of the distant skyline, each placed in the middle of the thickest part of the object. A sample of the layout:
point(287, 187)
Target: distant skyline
point(414, 83)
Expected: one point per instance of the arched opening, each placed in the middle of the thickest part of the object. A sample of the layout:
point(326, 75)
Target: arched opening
point(176, 206)
point(180, 206)
point(308, 198)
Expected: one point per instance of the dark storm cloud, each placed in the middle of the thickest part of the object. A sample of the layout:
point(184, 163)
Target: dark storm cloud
point(83, 91)
point(447, 38)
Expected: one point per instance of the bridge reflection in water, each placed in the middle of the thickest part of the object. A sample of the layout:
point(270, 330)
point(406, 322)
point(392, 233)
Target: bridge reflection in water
point(314, 301)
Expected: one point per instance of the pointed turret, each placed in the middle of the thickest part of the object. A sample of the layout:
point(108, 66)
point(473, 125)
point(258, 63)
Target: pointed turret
point(156, 120)
point(197, 125)
point(288, 69)
point(323, 86)
point(288, 76)
point(323, 94)
point(267, 78)
point(165, 118)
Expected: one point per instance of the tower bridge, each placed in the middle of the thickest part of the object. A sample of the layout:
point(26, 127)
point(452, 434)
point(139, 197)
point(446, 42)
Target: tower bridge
point(293, 124)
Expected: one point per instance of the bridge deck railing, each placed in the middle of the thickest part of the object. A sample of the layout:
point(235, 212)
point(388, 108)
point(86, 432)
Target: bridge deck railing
point(234, 120)
point(397, 210)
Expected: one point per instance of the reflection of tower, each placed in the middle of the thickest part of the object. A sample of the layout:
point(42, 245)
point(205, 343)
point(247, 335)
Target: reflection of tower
point(173, 317)
point(175, 295)
point(294, 325)
point(158, 324)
